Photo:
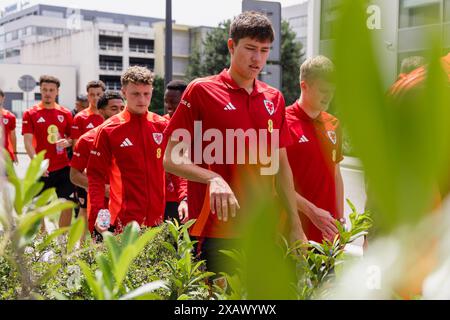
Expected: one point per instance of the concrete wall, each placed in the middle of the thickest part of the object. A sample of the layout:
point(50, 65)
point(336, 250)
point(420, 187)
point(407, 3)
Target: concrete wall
point(67, 76)
point(80, 50)
point(181, 49)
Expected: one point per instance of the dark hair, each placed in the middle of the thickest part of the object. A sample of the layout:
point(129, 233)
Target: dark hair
point(251, 24)
point(95, 84)
point(109, 95)
point(2, 93)
point(49, 79)
point(82, 98)
point(178, 85)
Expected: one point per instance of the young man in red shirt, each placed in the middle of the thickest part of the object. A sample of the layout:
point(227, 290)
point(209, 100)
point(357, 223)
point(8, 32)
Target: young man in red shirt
point(90, 117)
point(110, 104)
point(316, 151)
point(176, 187)
point(81, 103)
point(233, 103)
point(86, 120)
point(8, 133)
point(46, 126)
point(129, 149)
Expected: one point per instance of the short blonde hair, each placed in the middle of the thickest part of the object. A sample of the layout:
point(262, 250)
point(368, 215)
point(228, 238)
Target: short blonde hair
point(319, 67)
point(137, 75)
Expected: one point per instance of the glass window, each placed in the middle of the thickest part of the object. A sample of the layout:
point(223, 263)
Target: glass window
point(329, 16)
point(415, 13)
point(105, 20)
point(299, 22)
point(447, 10)
point(12, 53)
point(53, 14)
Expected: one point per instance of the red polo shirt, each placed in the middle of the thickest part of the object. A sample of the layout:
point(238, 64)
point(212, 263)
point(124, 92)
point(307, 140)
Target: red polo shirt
point(84, 121)
point(221, 105)
point(9, 125)
point(313, 156)
point(47, 127)
point(128, 150)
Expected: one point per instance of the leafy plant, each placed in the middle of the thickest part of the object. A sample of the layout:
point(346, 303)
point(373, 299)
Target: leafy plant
point(318, 263)
point(21, 218)
point(108, 281)
point(187, 280)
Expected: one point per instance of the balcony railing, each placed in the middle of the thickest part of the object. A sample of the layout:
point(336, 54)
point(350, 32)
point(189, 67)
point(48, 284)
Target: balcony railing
point(141, 48)
point(114, 86)
point(109, 46)
point(111, 66)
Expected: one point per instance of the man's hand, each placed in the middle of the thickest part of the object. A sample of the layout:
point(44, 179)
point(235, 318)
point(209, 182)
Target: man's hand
point(222, 199)
point(183, 213)
point(323, 220)
point(99, 228)
point(297, 233)
point(64, 143)
point(107, 190)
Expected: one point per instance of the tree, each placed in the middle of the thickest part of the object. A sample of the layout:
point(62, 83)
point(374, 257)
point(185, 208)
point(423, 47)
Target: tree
point(215, 56)
point(157, 105)
point(290, 63)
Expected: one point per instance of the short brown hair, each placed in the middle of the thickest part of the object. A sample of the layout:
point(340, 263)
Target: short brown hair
point(96, 84)
point(412, 63)
point(251, 24)
point(2, 93)
point(49, 79)
point(319, 67)
point(137, 75)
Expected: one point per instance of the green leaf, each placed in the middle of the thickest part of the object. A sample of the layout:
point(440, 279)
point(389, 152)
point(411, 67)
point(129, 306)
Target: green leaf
point(130, 252)
point(169, 247)
point(45, 197)
point(146, 291)
point(114, 248)
point(189, 224)
point(37, 167)
point(48, 240)
point(76, 232)
point(27, 222)
point(91, 281)
point(32, 191)
point(107, 272)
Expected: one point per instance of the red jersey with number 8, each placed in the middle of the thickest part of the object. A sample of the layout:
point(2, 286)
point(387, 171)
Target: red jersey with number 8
point(48, 126)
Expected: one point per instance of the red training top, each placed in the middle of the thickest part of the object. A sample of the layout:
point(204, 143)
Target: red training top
point(129, 149)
